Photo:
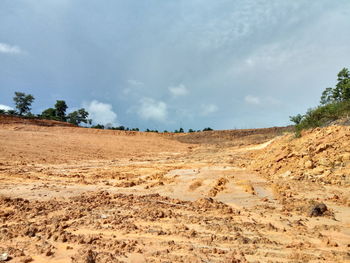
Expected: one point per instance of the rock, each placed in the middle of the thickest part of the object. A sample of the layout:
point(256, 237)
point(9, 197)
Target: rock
point(4, 257)
point(325, 162)
point(309, 164)
point(103, 216)
point(317, 209)
point(90, 257)
point(346, 157)
point(286, 174)
point(26, 259)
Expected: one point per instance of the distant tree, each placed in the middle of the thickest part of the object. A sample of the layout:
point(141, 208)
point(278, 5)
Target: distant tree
point(148, 130)
point(165, 131)
point(79, 116)
point(61, 108)
point(181, 130)
point(135, 129)
point(49, 114)
point(98, 126)
point(2, 111)
point(296, 119)
point(190, 130)
point(23, 102)
point(207, 129)
point(11, 112)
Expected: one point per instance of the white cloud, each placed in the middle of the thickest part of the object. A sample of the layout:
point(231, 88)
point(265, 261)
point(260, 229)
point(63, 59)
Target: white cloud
point(252, 100)
point(136, 83)
point(151, 109)
point(8, 49)
point(209, 109)
point(179, 90)
point(5, 107)
point(101, 113)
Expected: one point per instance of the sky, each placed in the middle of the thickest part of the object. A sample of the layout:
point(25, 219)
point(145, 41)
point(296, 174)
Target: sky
point(165, 64)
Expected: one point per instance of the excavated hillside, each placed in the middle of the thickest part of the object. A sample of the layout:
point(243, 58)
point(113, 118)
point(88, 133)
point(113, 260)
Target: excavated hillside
point(70, 194)
point(321, 155)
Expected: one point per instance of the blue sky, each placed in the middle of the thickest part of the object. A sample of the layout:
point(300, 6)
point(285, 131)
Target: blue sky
point(163, 64)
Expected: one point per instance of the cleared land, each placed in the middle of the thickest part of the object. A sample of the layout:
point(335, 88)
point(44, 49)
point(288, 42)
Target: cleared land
point(81, 195)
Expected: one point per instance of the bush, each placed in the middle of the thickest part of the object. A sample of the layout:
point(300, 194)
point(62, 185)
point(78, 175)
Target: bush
point(322, 116)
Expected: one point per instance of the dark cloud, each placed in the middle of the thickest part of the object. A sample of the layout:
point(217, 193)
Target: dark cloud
point(162, 64)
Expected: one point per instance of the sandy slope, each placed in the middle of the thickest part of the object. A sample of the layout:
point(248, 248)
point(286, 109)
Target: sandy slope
point(79, 195)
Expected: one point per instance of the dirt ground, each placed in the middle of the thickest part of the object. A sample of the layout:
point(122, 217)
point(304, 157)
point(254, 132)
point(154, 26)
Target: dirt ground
point(82, 195)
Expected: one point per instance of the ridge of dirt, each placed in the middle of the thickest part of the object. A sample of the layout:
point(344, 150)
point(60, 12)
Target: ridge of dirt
point(320, 155)
point(238, 137)
point(6, 119)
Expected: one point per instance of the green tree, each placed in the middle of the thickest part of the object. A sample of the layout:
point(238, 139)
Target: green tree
point(327, 96)
point(98, 126)
point(11, 112)
point(23, 102)
point(49, 114)
point(79, 116)
point(61, 108)
point(296, 119)
point(342, 90)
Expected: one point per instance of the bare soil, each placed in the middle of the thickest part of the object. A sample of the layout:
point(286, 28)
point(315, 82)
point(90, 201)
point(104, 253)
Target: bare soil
point(70, 194)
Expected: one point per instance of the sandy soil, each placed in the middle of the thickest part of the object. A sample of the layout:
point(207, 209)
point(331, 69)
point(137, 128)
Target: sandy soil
point(81, 195)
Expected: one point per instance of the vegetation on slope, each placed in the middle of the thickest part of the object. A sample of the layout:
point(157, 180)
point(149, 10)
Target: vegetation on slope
point(334, 105)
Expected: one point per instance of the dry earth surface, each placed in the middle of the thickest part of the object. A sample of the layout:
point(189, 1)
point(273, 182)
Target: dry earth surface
point(71, 194)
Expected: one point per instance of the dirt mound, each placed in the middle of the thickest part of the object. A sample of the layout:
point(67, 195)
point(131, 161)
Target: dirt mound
point(320, 155)
point(233, 137)
point(4, 119)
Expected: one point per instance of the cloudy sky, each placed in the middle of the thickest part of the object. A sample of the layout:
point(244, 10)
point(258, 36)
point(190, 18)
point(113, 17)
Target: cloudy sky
point(163, 64)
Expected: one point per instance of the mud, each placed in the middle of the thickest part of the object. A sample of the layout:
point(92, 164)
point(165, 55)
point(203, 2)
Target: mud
point(76, 195)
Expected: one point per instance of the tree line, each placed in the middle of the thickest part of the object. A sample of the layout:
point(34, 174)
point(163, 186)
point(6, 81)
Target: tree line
point(23, 104)
point(334, 105)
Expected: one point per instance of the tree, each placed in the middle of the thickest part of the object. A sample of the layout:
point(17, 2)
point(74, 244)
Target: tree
point(207, 129)
point(61, 108)
point(327, 96)
point(79, 116)
point(49, 114)
point(11, 112)
point(98, 126)
point(23, 102)
point(296, 119)
point(342, 90)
